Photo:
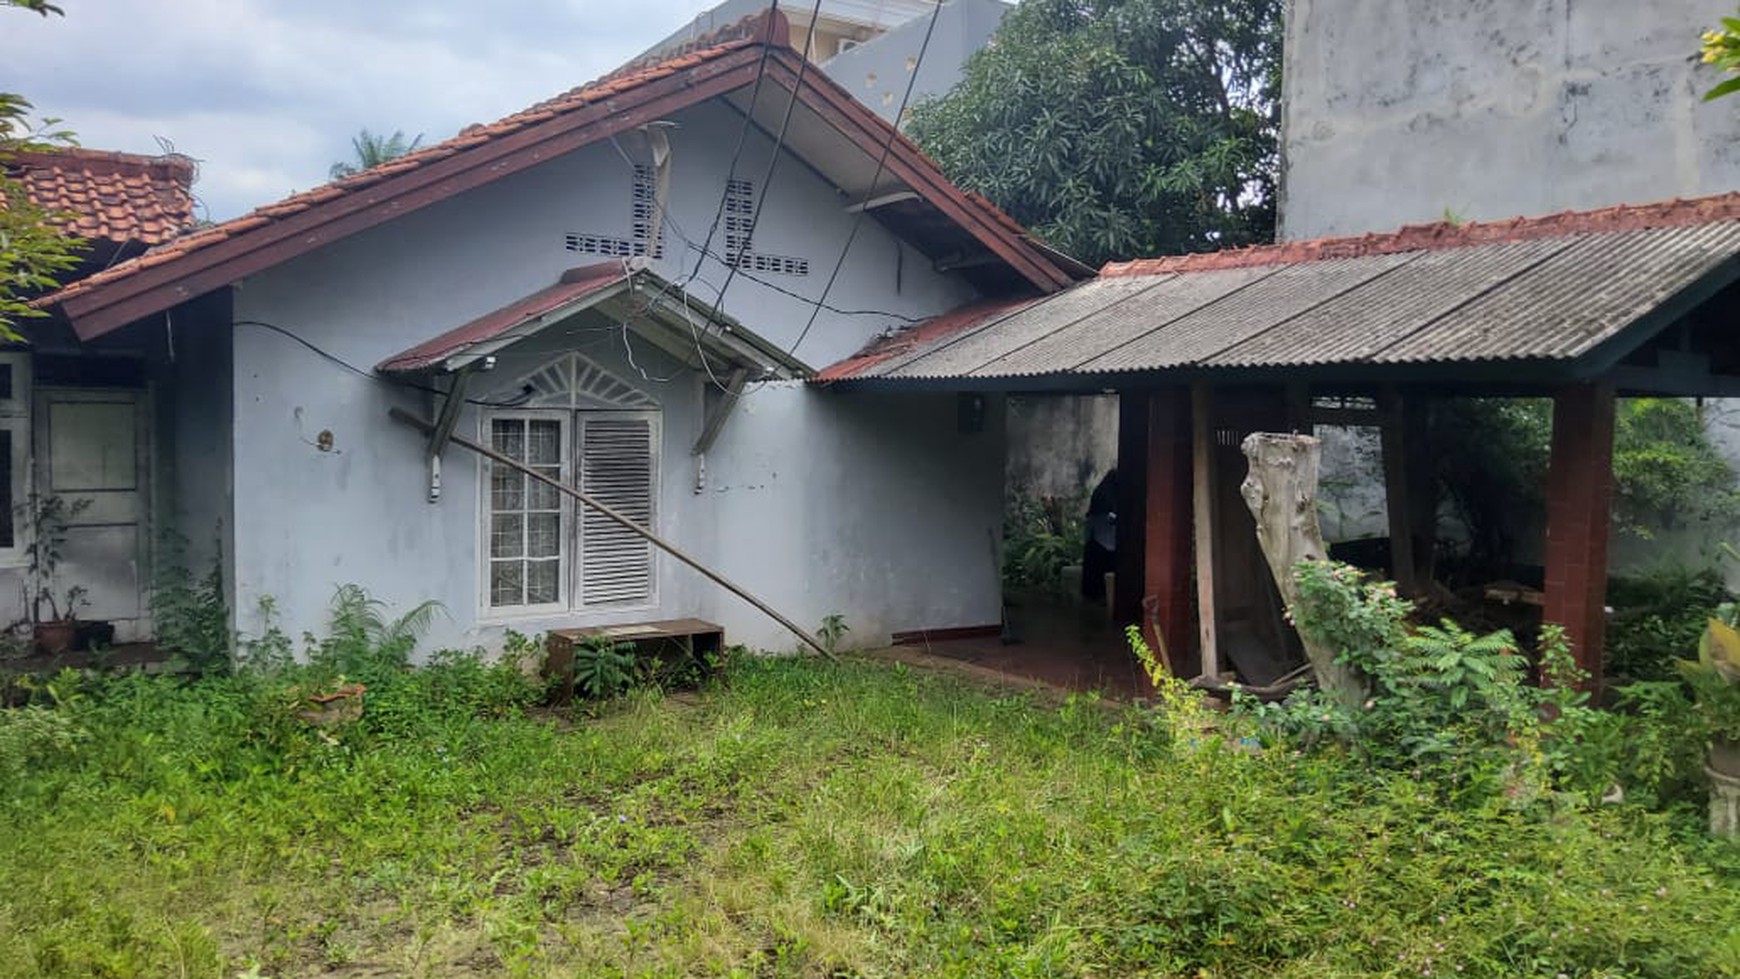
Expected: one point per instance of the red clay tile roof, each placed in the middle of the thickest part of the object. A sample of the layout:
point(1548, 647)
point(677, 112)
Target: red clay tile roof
point(118, 197)
point(1677, 213)
point(727, 41)
point(574, 284)
point(725, 61)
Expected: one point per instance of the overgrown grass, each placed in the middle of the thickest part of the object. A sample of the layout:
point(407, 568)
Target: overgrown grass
point(794, 819)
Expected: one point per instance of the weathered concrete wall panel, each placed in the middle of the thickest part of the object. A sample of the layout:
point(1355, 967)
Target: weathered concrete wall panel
point(1061, 445)
point(1407, 111)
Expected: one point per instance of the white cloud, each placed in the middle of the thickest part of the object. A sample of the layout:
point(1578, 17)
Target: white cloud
point(268, 93)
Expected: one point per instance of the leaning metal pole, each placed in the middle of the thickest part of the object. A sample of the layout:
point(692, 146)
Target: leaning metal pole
point(401, 415)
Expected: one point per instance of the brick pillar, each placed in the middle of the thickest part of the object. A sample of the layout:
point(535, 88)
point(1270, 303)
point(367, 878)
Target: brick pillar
point(1579, 496)
point(1154, 551)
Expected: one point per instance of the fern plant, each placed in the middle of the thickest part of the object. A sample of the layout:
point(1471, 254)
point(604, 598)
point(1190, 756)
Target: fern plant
point(364, 643)
point(602, 668)
point(1445, 703)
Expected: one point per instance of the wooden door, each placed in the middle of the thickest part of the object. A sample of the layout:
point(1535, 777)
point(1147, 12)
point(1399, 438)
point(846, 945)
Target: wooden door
point(91, 445)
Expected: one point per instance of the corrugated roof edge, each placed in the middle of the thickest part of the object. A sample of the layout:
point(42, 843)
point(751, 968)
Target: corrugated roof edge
point(1679, 212)
point(902, 341)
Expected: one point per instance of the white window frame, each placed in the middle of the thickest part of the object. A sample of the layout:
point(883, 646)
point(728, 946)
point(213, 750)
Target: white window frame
point(571, 584)
point(15, 418)
point(486, 513)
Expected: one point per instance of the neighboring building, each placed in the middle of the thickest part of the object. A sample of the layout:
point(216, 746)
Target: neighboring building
point(1415, 110)
point(539, 282)
point(877, 70)
point(840, 26)
point(120, 203)
point(75, 418)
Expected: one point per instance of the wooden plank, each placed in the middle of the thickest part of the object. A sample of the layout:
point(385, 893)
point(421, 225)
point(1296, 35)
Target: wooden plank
point(1396, 505)
point(1203, 512)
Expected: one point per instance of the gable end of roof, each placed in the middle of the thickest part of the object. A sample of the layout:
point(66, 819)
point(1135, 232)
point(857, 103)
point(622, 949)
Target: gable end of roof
point(217, 256)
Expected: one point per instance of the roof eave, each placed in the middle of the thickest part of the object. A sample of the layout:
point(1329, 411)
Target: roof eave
point(104, 309)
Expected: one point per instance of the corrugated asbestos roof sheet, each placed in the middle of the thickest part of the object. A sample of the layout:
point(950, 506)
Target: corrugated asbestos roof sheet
point(1552, 288)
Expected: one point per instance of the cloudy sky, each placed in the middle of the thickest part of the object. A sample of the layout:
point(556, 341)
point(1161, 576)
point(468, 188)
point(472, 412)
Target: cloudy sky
point(266, 94)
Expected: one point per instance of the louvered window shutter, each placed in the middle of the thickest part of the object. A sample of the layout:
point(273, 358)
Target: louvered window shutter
point(619, 467)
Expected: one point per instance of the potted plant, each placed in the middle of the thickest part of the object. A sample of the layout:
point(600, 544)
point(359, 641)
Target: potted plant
point(49, 516)
point(1715, 682)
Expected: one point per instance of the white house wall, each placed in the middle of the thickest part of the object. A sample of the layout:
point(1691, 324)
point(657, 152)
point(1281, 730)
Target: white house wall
point(873, 508)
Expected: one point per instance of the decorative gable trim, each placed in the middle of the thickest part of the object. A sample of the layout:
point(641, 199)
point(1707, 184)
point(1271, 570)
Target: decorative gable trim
point(572, 381)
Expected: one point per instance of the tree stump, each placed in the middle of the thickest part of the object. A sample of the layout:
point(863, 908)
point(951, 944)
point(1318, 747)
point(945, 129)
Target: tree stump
point(1281, 492)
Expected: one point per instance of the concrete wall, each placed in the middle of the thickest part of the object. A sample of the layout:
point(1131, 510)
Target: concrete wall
point(1060, 445)
point(878, 71)
point(874, 508)
point(1408, 110)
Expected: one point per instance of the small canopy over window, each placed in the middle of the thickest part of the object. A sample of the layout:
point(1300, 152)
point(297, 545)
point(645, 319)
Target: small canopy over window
point(625, 291)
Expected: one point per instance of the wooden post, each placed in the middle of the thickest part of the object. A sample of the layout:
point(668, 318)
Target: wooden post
point(1579, 495)
point(1202, 510)
point(1128, 585)
point(1396, 502)
point(1422, 487)
point(1166, 541)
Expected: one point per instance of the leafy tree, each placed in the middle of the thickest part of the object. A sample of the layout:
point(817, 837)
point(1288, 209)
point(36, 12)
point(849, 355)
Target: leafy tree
point(1722, 49)
point(1491, 458)
point(1121, 127)
point(373, 150)
point(32, 250)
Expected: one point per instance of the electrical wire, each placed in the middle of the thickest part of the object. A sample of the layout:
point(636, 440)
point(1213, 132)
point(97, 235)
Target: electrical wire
point(772, 160)
point(371, 375)
point(881, 163)
point(742, 138)
point(807, 301)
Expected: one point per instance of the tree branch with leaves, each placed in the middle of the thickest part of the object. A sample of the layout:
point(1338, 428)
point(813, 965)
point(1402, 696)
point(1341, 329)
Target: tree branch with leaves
point(1115, 128)
point(1721, 48)
point(33, 251)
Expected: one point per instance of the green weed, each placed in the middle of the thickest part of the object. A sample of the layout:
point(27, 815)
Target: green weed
point(800, 818)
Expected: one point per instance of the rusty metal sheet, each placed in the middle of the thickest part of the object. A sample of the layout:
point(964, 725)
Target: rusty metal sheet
point(1244, 314)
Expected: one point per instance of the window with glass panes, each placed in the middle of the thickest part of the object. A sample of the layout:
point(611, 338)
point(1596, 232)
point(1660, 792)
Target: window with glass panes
point(525, 515)
point(546, 552)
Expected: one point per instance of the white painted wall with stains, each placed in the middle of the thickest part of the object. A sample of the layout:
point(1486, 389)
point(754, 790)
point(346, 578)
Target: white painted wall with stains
point(874, 507)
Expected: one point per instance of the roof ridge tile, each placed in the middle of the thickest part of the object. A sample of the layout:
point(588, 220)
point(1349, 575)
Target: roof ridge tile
point(1677, 212)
